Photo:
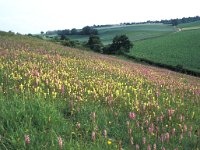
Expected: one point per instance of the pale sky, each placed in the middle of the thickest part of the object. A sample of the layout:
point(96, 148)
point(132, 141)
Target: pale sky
point(34, 16)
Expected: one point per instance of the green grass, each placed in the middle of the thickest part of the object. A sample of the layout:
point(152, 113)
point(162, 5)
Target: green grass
point(44, 121)
point(134, 32)
point(181, 48)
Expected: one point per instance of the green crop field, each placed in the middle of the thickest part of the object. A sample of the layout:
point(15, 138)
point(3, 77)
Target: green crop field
point(187, 25)
point(53, 97)
point(181, 48)
point(134, 32)
point(190, 26)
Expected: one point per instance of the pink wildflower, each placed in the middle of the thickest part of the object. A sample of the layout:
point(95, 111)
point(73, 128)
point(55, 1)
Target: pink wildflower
point(185, 128)
point(132, 115)
point(151, 130)
point(181, 137)
point(129, 131)
point(147, 122)
point(27, 139)
point(78, 125)
point(154, 146)
point(105, 133)
point(182, 118)
point(93, 116)
point(162, 138)
point(60, 142)
point(170, 112)
point(62, 89)
point(149, 147)
point(157, 119)
point(173, 131)
point(144, 107)
point(180, 126)
point(137, 124)
point(93, 136)
point(190, 134)
point(128, 124)
point(137, 147)
point(157, 129)
point(191, 128)
point(167, 137)
point(161, 118)
point(144, 140)
point(120, 145)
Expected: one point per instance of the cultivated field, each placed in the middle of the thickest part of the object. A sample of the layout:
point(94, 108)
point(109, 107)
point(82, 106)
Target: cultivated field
point(188, 25)
point(181, 48)
point(53, 97)
point(134, 32)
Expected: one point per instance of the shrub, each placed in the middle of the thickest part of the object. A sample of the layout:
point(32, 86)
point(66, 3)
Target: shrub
point(119, 45)
point(68, 43)
point(95, 43)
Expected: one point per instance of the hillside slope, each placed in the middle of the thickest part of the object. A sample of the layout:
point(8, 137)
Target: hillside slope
point(52, 97)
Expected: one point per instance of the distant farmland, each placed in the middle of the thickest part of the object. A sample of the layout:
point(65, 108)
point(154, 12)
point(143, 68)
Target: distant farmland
point(181, 48)
point(134, 32)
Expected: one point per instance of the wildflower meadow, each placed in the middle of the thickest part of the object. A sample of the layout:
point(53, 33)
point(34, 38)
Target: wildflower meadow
point(53, 97)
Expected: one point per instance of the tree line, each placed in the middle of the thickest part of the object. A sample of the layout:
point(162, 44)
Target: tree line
point(174, 22)
point(90, 30)
point(87, 30)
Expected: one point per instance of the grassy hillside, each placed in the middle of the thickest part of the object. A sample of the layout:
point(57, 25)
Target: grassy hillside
point(53, 97)
point(134, 32)
point(181, 48)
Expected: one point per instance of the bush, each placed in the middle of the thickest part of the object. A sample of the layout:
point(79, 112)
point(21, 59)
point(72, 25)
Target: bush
point(62, 37)
point(95, 43)
point(119, 45)
point(107, 49)
point(68, 43)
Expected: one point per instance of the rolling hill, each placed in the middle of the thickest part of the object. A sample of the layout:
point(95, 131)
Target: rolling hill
point(55, 97)
point(134, 32)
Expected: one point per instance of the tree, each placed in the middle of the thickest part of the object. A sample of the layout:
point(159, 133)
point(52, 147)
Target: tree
point(74, 31)
point(62, 37)
point(174, 22)
point(89, 31)
point(120, 44)
point(66, 32)
point(42, 32)
point(95, 43)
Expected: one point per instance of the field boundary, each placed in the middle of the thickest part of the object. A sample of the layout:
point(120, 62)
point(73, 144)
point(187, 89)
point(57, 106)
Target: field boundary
point(177, 68)
point(190, 28)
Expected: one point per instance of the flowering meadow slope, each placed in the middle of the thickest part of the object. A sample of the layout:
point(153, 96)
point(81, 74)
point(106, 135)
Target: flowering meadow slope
point(52, 97)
